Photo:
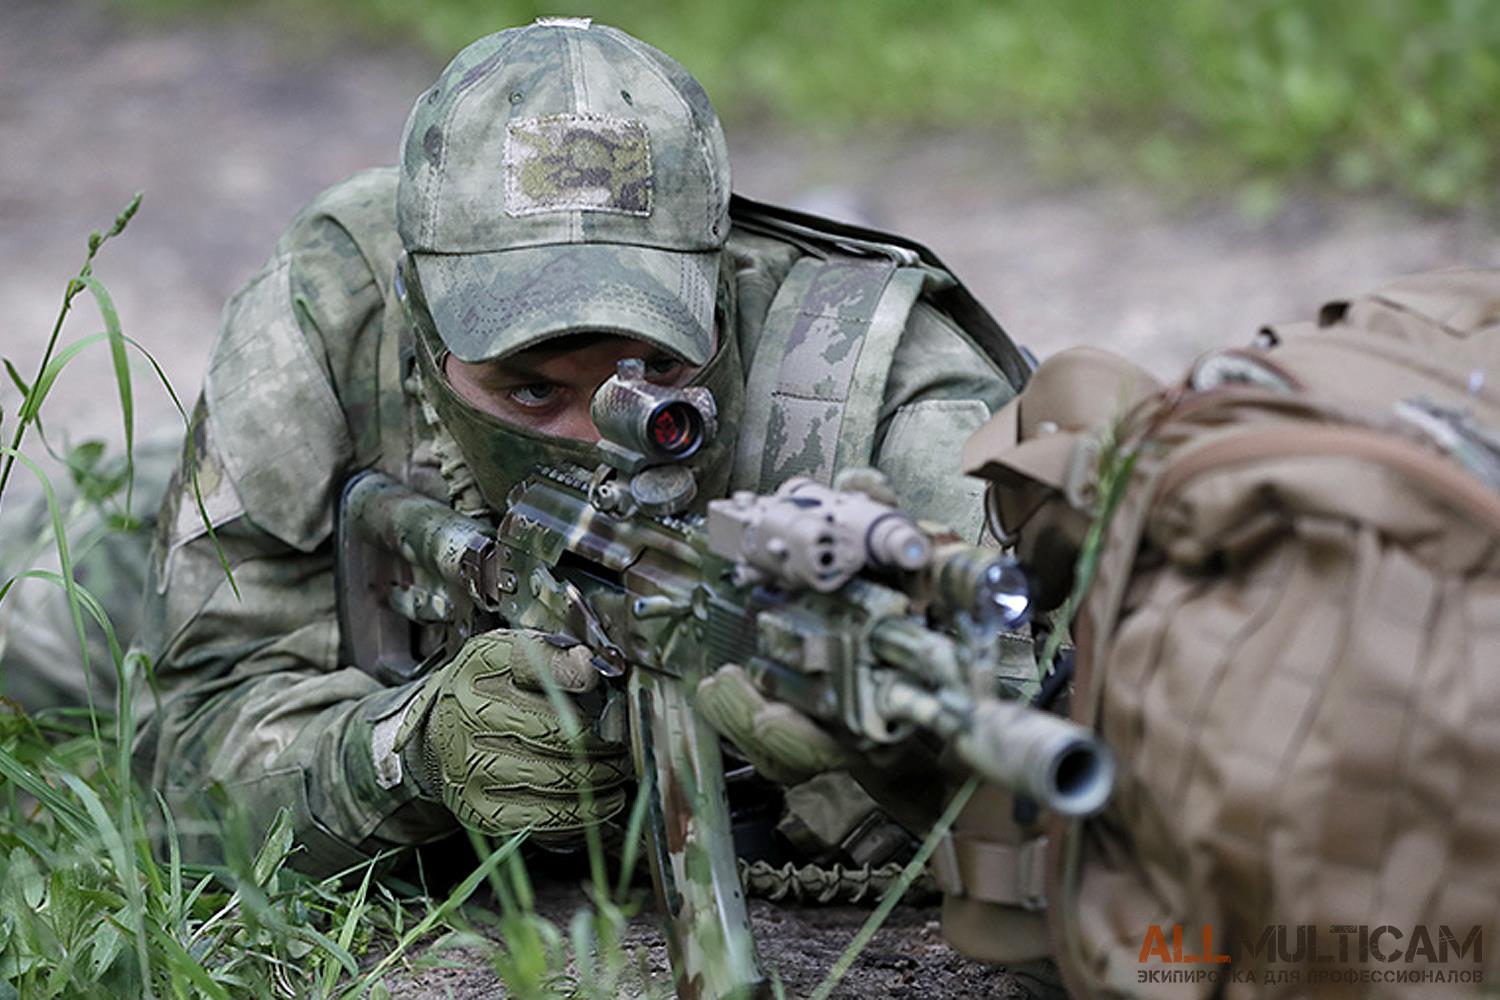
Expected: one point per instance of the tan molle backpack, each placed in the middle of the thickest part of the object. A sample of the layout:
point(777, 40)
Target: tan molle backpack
point(1292, 643)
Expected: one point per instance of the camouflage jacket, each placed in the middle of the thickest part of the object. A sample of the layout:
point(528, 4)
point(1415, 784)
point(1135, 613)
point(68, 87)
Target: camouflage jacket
point(255, 708)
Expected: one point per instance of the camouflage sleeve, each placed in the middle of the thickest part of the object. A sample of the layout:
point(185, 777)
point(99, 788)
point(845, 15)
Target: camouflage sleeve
point(256, 712)
point(940, 390)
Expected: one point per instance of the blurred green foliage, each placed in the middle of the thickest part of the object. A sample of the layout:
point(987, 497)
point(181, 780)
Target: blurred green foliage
point(1382, 94)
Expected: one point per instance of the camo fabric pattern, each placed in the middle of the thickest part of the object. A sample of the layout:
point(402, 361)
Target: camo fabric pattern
point(817, 366)
point(490, 305)
point(258, 711)
point(505, 106)
point(590, 163)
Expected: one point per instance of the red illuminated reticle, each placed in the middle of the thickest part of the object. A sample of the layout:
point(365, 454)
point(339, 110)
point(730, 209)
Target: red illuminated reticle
point(674, 428)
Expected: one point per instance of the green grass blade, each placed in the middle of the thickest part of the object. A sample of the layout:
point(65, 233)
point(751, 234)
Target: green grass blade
point(121, 364)
point(893, 895)
point(125, 870)
point(498, 885)
point(16, 379)
point(456, 898)
point(124, 781)
point(274, 849)
point(1116, 464)
point(195, 893)
point(181, 965)
point(352, 918)
point(631, 849)
point(176, 912)
point(65, 563)
point(581, 934)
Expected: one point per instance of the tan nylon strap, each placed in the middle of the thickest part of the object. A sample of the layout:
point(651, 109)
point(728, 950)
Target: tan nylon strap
point(815, 386)
point(991, 872)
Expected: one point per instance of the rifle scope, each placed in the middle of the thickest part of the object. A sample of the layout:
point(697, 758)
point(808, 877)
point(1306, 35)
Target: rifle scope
point(641, 423)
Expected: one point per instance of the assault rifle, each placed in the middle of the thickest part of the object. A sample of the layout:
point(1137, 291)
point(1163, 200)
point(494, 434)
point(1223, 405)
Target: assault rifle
point(832, 601)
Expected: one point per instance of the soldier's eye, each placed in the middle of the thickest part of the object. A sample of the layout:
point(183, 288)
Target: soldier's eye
point(662, 367)
point(535, 394)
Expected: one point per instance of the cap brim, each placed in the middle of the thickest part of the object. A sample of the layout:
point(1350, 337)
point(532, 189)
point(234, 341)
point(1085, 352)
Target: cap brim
point(489, 305)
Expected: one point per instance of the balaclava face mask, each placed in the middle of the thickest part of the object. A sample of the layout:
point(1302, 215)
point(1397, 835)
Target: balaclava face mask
point(500, 454)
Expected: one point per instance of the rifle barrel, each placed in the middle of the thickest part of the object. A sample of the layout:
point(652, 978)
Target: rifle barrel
point(1060, 764)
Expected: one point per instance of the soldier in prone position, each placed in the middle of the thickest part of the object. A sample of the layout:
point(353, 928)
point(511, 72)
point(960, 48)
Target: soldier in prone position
point(562, 203)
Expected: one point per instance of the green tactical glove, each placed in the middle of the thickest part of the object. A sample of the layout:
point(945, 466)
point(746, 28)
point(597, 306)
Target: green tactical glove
point(784, 745)
point(482, 735)
point(789, 747)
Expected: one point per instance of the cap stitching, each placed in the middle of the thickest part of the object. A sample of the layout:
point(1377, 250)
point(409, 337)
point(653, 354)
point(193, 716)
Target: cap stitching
point(580, 80)
point(579, 89)
point(711, 216)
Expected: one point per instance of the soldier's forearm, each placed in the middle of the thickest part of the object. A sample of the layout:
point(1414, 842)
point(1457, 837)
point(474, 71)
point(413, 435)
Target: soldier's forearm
point(297, 739)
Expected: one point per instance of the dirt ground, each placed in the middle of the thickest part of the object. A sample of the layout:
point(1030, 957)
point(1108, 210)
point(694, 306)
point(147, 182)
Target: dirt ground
point(906, 960)
point(228, 128)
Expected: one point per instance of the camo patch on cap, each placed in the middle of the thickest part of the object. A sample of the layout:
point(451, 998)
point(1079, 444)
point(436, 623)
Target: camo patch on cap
point(575, 162)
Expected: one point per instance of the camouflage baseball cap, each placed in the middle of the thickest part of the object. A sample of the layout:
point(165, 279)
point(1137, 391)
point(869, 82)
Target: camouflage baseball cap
point(565, 177)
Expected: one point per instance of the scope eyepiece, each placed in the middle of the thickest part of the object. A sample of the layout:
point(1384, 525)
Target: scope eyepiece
point(641, 423)
point(676, 429)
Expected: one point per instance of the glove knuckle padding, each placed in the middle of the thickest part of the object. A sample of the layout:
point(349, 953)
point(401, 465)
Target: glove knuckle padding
point(504, 752)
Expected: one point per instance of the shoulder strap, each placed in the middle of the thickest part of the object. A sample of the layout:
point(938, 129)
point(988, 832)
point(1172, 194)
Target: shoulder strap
point(815, 384)
point(821, 236)
point(365, 207)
